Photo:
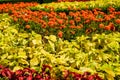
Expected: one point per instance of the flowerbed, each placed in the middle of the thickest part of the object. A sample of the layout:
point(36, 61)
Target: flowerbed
point(61, 24)
point(71, 43)
point(21, 49)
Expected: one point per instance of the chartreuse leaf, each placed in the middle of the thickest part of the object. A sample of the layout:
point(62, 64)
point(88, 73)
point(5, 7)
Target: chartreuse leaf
point(114, 45)
point(17, 68)
point(4, 56)
point(34, 61)
point(52, 45)
point(117, 71)
point(48, 55)
point(51, 37)
point(85, 69)
point(63, 60)
point(109, 71)
point(23, 61)
point(22, 54)
point(109, 77)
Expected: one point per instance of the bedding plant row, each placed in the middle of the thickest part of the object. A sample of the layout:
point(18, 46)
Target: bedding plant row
point(45, 74)
point(72, 24)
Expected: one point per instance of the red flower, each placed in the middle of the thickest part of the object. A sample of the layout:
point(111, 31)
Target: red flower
point(15, 19)
point(117, 21)
point(27, 26)
point(107, 27)
point(60, 34)
point(60, 21)
point(101, 25)
point(72, 22)
point(72, 26)
point(112, 27)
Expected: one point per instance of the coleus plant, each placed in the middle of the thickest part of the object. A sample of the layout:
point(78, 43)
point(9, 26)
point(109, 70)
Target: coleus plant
point(30, 74)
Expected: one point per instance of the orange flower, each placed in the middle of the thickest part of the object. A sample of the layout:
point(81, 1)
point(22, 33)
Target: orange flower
point(60, 21)
point(25, 19)
point(88, 31)
point(15, 19)
point(69, 8)
point(107, 27)
point(73, 32)
point(117, 21)
point(101, 25)
point(107, 18)
point(112, 27)
point(63, 26)
point(60, 34)
point(100, 20)
point(51, 23)
point(80, 26)
point(77, 19)
point(87, 21)
point(111, 9)
point(96, 13)
point(71, 13)
point(44, 25)
point(72, 26)
point(27, 26)
point(72, 22)
point(62, 15)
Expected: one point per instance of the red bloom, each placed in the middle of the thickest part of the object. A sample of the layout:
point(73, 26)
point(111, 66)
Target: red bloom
point(107, 27)
point(101, 25)
point(72, 22)
point(60, 34)
point(27, 26)
point(117, 21)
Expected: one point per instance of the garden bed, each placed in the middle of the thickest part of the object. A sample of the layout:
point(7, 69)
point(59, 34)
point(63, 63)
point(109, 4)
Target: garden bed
point(43, 42)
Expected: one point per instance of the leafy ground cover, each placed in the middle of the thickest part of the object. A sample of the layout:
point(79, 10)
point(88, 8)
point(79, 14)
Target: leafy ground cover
point(73, 44)
point(74, 6)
